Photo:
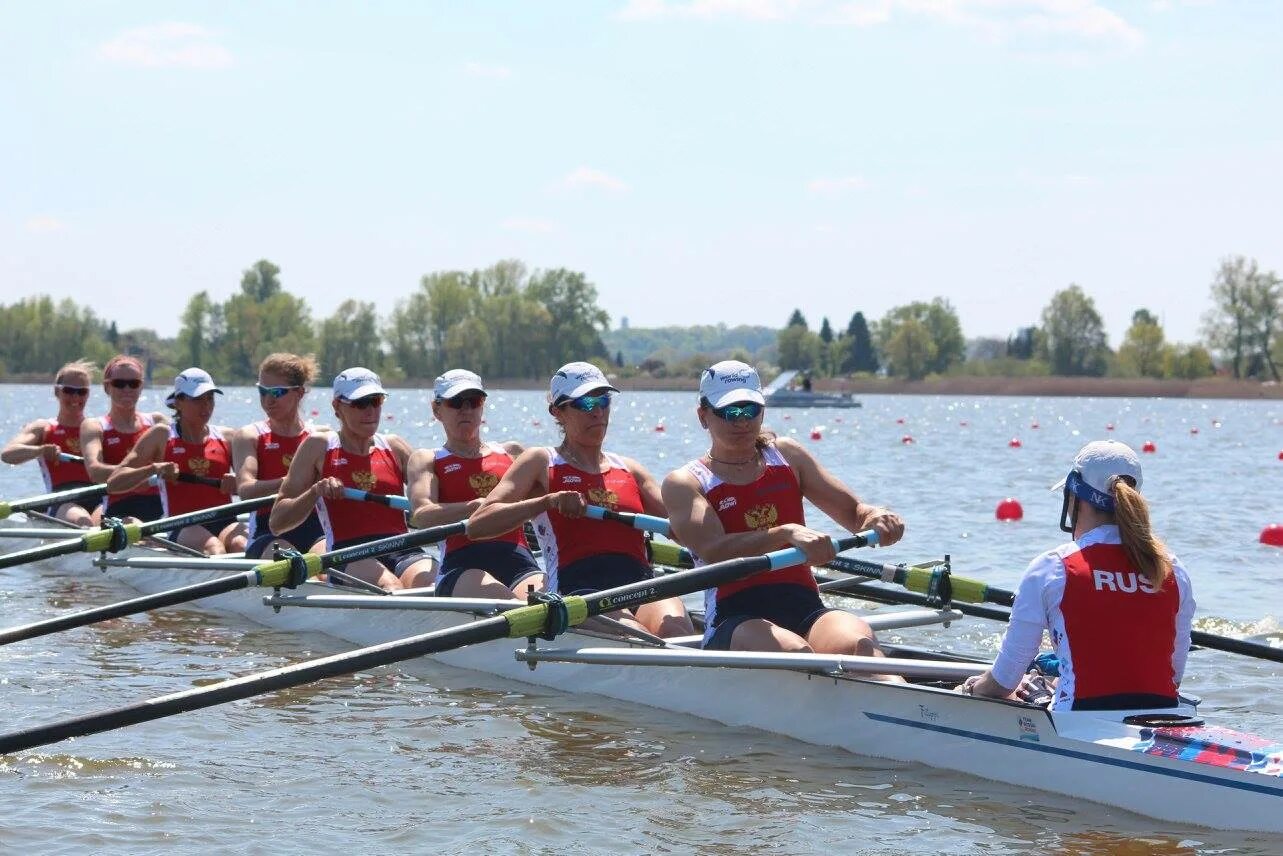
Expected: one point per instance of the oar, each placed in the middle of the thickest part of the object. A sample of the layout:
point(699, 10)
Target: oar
point(46, 499)
point(116, 538)
point(70, 459)
point(644, 522)
point(269, 574)
point(546, 618)
point(398, 502)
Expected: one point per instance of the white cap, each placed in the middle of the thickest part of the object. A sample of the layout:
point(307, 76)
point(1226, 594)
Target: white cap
point(730, 382)
point(193, 383)
point(1095, 465)
point(575, 379)
point(456, 382)
point(357, 382)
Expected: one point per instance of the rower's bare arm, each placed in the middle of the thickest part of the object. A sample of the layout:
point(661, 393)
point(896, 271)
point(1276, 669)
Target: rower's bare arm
point(245, 462)
point(837, 500)
point(426, 509)
point(143, 462)
point(402, 449)
point(513, 448)
point(27, 445)
point(521, 494)
point(91, 450)
point(651, 495)
point(297, 495)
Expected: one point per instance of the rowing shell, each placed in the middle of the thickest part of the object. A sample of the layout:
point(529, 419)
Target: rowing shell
point(1204, 775)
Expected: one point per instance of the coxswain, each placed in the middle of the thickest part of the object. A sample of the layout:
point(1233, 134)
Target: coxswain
point(554, 486)
point(48, 440)
point(193, 458)
point(448, 483)
point(262, 452)
point(1118, 605)
point(744, 497)
point(106, 440)
point(356, 456)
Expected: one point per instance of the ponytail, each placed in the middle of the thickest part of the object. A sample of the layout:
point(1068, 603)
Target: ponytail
point(1147, 553)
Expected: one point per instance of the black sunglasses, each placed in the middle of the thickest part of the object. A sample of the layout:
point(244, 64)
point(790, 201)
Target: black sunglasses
point(74, 390)
point(274, 391)
point(367, 402)
point(471, 402)
point(125, 383)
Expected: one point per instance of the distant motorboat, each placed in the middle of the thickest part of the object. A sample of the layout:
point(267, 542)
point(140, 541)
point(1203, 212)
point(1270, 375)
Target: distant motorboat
point(778, 394)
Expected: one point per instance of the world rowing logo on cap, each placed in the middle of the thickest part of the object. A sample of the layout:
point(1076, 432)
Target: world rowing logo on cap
point(737, 376)
point(761, 516)
point(199, 466)
point(364, 479)
point(602, 496)
point(482, 483)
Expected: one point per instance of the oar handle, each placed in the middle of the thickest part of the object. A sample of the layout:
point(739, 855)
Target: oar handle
point(644, 522)
point(192, 478)
point(398, 502)
point(67, 458)
point(925, 580)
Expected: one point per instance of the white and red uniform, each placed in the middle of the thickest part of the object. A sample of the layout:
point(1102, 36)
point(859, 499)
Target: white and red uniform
point(1121, 643)
point(63, 474)
point(773, 499)
point(209, 459)
point(274, 454)
point(566, 540)
point(462, 479)
point(347, 521)
point(117, 444)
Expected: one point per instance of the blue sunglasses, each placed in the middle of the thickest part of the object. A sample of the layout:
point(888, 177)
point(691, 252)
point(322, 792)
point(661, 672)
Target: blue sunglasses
point(589, 403)
point(733, 412)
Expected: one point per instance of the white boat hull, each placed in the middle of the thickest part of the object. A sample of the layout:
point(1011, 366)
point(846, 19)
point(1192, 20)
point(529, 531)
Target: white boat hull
point(1077, 754)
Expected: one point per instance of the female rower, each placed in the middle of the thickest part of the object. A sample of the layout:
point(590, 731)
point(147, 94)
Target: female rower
point(449, 483)
point(194, 460)
point(106, 440)
point(263, 451)
point(555, 486)
point(356, 456)
point(1118, 605)
point(743, 498)
point(47, 440)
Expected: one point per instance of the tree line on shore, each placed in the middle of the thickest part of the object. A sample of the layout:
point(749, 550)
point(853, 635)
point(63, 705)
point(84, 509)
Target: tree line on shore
point(506, 321)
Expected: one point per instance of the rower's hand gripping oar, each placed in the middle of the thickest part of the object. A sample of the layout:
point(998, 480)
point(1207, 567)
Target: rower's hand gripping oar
point(538, 619)
point(644, 522)
point(117, 536)
point(45, 500)
point(288, 572)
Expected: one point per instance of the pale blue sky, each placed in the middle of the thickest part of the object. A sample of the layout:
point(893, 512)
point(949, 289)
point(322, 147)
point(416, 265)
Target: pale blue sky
point(715, 160)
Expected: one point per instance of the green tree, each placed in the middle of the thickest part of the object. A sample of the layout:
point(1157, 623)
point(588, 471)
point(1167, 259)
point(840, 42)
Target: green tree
point(1188, 362)
point(350, 337)
point(262, 319)
point(940, 320)
point(200, 339)
point(1074, 334)
point(1228, 325)
point(409, 333)
point(261, 281)
point(799, 348)
point(577, 322)
point(859, 355)
point(797, 319)
point(911, 350)
point(1143, 352)
point(1263, 300)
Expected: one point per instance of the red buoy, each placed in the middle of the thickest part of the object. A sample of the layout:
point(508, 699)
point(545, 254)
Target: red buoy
point(1272, 535)
point(1109, 426)
point(315, 412)
point(1281, 456)
point(900, 421)
point(1034, 425)
point(1149, 446)
point(660, 427)
point(906, 440)
point(1009, 509)
point(1015, 443)
point(816, 435)
point(1194, 430)
point(964, 423)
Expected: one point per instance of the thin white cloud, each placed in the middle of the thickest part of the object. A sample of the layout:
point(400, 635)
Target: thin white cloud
point(44, 224)
point(489, 72)
point(837, 186)
point(586, 176)
point(529, 224)
point(999, 20)
point(168, 45)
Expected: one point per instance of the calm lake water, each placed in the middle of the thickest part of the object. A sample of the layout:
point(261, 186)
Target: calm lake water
point(423, 757)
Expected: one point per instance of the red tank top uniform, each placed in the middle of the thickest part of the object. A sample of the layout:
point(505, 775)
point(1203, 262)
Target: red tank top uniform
point(565, 540)
point(347, 520)
point(773, 499)
point(274, 455)
point(116, 444)
point(63, 474)
point(210, 459)
point(462, 479)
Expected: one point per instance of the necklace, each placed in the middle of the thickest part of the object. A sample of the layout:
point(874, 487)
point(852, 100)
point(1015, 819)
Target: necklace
point(577, 461)
point(752, 460)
